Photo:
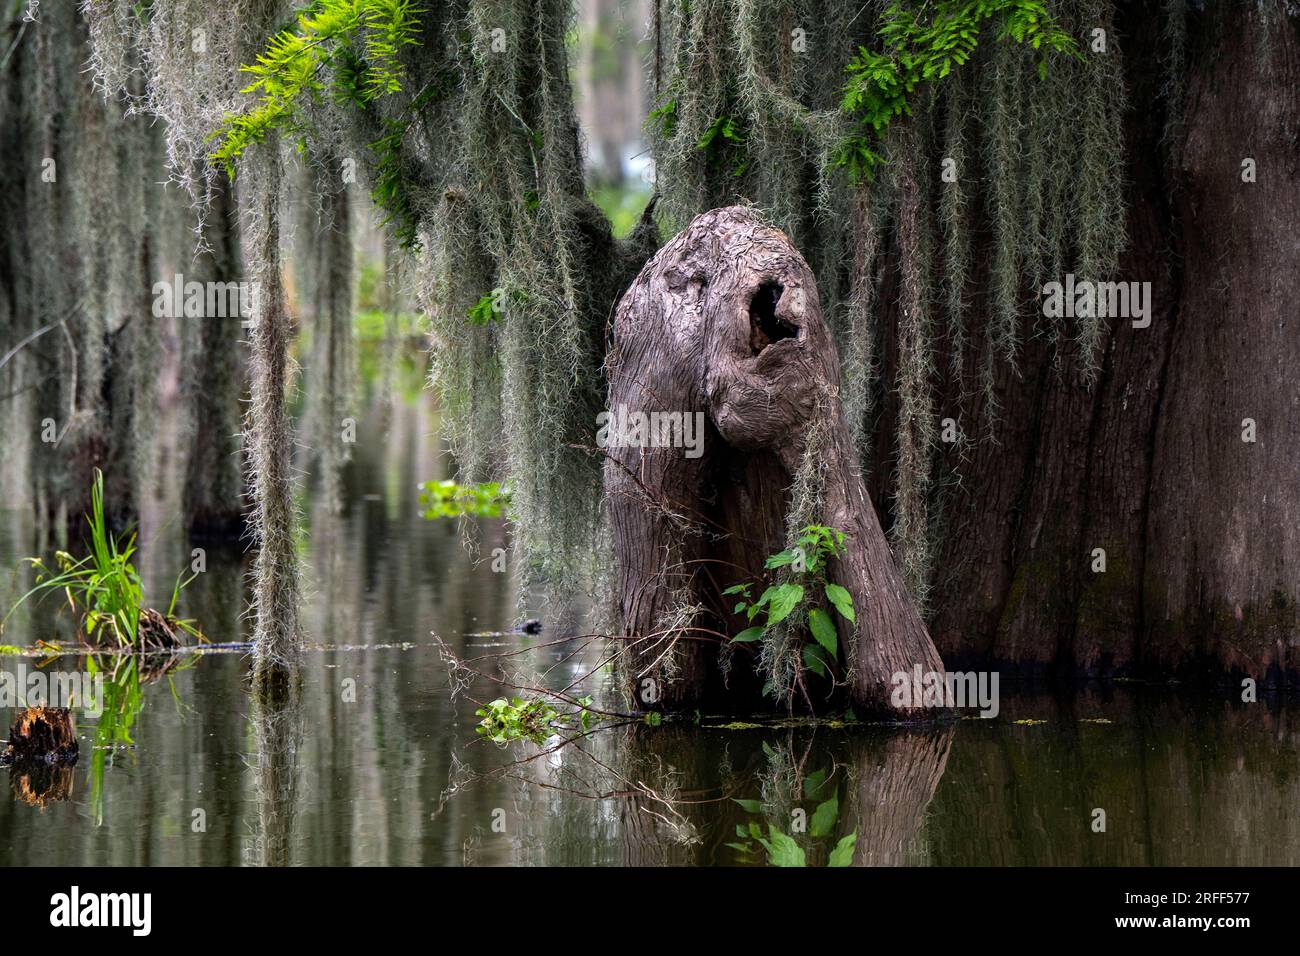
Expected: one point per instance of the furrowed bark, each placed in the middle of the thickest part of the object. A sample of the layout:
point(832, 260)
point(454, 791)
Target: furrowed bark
point(726, 321)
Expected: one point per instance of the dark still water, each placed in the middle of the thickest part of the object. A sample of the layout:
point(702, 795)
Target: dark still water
point(378, 764)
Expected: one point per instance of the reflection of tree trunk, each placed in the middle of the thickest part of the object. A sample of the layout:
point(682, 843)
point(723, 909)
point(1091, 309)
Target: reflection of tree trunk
point(725, 322)
point(896, 780)
point(278, 732)
point(1161, 768)
point(654, 825)
point(213, 373)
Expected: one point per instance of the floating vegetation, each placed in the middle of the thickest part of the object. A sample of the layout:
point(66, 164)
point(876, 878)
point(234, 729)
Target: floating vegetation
point(449, 499)
point(537, 719)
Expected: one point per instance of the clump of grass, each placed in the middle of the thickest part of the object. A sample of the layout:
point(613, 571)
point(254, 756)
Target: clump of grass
point(104, 590)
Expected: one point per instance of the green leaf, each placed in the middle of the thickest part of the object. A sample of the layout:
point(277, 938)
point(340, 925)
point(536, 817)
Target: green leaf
point(749, 806)
point(823, 629)
point(748, 635)
point(785, 600)
point(813, 783)
point(842, 600)
point(737, 589)
point(842, 855)
point(783, 851)
point(825, 817)
point(484, 310)
point(814, 659)
point(781, 559)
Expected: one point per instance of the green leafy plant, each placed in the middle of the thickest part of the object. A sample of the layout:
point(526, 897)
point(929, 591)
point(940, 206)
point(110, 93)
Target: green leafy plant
point(485, 309)
point(505, 721)
point(923, 43)
point(447, 499)
point(104, 589)
point(800, 596)
point(724, 132)
point(490, 306)
point(666, 117)
point(348, 49)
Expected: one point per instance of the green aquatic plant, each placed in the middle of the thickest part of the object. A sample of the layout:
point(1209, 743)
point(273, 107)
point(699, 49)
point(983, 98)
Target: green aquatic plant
point(104, 589)
point(506, 721)
point(800, 597)
point(449, 499)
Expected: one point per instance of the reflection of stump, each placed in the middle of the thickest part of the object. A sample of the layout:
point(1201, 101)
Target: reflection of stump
point(896, 780)
point(42, 735)
point(40, 784)
point(725, 321)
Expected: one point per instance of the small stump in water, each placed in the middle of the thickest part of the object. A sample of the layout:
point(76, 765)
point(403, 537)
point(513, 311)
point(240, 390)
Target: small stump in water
point(42, 735)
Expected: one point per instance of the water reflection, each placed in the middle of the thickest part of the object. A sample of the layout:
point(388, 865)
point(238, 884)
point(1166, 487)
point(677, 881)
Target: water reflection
point(372, 761)
point(277, 722)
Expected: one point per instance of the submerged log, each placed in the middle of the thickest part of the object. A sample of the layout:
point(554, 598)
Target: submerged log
point(725, 322)
point(42, 735)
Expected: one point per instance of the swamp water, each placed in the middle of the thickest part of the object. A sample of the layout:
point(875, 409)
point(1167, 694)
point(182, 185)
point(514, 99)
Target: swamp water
point(378, 764)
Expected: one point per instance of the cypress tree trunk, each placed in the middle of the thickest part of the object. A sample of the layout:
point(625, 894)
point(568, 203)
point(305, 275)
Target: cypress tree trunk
point(1222, 572)
point(1202, 558)
point(725, 322)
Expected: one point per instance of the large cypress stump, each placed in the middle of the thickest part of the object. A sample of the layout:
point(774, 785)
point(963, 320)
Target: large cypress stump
point(725, 320)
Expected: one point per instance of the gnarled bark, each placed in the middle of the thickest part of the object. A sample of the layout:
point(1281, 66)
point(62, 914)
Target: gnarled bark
point(725, 321)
